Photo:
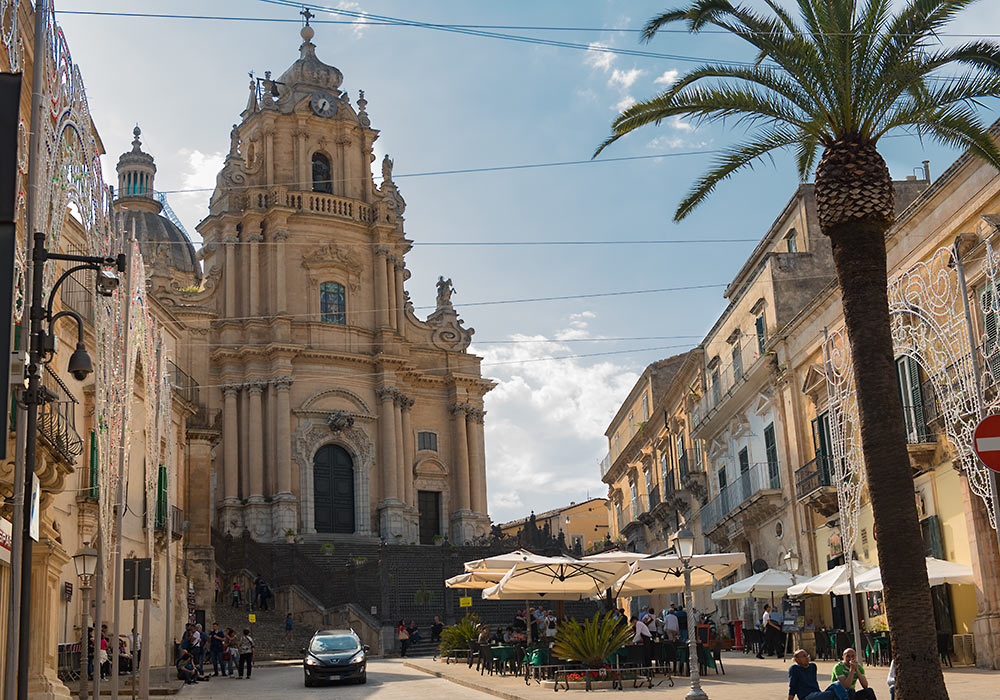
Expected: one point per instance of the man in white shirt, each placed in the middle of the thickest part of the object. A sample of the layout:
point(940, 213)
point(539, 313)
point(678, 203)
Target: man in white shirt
point(673, 626)
point(643, 636)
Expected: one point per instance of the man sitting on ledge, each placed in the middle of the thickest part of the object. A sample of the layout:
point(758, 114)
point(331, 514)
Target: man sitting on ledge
point(802, 683)
point(849, 672)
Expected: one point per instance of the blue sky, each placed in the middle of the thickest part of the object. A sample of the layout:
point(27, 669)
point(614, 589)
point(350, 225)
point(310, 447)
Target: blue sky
point(446, 101)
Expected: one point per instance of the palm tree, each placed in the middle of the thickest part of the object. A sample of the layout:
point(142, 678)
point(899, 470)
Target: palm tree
point(835, 82)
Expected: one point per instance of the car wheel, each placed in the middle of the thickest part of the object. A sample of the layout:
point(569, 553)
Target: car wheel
point(309, 683)
point(363, 679)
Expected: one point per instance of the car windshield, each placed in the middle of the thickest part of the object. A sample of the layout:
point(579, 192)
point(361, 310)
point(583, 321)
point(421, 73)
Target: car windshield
point(333, 643)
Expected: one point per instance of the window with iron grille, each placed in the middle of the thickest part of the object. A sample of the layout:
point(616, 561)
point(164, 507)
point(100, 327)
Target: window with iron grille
point(427, 441)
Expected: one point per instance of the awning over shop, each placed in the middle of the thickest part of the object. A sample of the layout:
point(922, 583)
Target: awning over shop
point(762, 585)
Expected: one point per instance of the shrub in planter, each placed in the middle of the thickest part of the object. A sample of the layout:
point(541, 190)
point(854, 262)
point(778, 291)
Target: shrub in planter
point(458, 638)
point(592, 642)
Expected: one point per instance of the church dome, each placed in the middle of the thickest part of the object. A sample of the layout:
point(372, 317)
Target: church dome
point(309, 72)
point(161, 241)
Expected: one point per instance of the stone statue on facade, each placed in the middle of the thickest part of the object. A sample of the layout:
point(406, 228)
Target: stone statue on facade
point(386, 169)
point(234, 141)
point(444, 291)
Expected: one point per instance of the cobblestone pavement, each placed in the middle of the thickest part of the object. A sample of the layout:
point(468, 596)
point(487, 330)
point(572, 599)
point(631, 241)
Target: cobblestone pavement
point(745, 677)
point(387, 680)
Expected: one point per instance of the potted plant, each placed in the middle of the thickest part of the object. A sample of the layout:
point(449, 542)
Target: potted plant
point(591, 643)
point(458, 639)
point(328, 549)
point(290, 536)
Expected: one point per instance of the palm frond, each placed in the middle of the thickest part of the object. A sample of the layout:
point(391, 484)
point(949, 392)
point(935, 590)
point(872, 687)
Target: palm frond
point(733, 160)
point(845, 70)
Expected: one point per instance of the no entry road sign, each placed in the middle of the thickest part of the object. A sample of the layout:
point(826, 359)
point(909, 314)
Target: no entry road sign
point(986, 441)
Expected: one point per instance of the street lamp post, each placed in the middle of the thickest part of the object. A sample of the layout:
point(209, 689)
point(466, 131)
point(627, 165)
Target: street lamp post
point(41, 350)
point(791, 566)
point(685, 550)
point(85, 562)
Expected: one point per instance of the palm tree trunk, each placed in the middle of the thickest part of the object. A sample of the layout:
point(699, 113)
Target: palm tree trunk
point(860, 260)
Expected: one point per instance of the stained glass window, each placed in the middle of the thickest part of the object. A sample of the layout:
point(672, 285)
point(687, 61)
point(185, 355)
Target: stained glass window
point(333, 303)
point(321, 174)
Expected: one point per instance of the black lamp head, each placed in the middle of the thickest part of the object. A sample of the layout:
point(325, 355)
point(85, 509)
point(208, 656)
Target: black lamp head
point(80, 365)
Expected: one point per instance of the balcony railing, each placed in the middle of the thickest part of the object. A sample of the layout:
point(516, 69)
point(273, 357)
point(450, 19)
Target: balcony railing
point(682, 466)
point(723, 379)
point(605, 465)
point(812, 475)
point(669, 483)
point(183, 383)
point(760, 477)
point(654, 497)
point(640, 505)
point(77, 296)
point(57, 419)
point(624, 517)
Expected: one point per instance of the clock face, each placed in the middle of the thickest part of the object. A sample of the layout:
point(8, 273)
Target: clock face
point(323, 105)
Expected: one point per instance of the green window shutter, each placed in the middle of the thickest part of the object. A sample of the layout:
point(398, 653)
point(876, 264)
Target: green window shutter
point(903, 387)
point(990, 323)
point(771, 448)
point(760, 333)
point(744, 461)
point(94, 464)
point(916, 395)
point(161, 497)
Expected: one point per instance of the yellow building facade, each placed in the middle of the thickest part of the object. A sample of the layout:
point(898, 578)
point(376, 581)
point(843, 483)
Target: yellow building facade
point(584, 525)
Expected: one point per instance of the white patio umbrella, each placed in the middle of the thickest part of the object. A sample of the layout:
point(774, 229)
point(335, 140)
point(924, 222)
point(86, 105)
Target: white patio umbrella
point(557, 576)
point(939, 571)
point(665, 574)
point(503, 562)
point(627, 557)
point(825, 582)
point(475, 579)
point(762, 585)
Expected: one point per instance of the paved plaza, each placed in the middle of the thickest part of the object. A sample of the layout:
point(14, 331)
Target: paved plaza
point(387, 680)
point(746, 677)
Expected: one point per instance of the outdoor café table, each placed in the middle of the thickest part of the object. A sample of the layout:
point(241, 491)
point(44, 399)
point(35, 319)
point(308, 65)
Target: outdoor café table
point(504, 654)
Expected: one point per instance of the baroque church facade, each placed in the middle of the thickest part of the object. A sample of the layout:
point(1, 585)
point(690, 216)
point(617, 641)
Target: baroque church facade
point(322, 406)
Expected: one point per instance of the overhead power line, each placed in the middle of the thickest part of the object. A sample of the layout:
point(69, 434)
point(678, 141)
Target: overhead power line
point(507, 27)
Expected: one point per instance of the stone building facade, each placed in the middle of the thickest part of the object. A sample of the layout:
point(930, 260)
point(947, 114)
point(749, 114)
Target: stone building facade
point(341, 413)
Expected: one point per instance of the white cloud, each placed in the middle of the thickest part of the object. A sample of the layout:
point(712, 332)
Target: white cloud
point(624, 78)
point(198, 172)
point(624, 103)
point(668, 78)
point(598, 58)
point(545, 430)
point(681, 125)
point(359, 23)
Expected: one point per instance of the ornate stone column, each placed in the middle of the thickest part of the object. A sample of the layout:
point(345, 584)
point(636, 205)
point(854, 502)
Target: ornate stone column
point(394, 303)
point(253, 243)
point(231, 274)
point(381, 287)
point(409, 454)
point(986, 575)
point(404, 495)
point(400, 298)
point(256, 435)
point(281, 295)
point(283, 511)
point(477, 469)
point(47, 562)
point(387, 442)
point(460, 457)
point(231, 444)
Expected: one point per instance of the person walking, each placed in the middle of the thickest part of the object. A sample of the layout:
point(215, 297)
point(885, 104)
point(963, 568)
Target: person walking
point(198, 648)
point(237, 596)
point(246, 654)
point(232, 650)
point(288, 626)
point(216, 645)
point(403, 635)
point(671, 625)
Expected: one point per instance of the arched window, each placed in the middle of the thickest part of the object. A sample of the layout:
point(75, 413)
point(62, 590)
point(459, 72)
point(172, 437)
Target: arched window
point(321, 174)
point(333, 303)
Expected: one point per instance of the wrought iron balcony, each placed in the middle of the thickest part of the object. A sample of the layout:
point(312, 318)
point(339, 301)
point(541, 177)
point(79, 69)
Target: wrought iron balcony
point(751, 484)
point(654, 497)
point(183, 384)
point(682, 466)
point(815, 486)
point(813, 475)
point(79, 297)
point(57, 419)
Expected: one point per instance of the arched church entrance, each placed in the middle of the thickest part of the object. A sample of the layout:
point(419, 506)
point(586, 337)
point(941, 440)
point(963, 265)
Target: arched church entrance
point(333, 490)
